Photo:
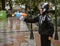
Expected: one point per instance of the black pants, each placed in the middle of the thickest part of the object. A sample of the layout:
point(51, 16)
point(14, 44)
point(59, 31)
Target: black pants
point(45, 41)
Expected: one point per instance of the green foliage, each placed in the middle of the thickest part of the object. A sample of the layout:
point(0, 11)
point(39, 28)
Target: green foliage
point(58, 1)
point(3, 15)
point(58, 13)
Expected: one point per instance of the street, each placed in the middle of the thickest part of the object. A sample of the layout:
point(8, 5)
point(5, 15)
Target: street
point(14, 37)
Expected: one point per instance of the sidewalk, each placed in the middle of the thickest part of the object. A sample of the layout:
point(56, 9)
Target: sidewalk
point(20, 39)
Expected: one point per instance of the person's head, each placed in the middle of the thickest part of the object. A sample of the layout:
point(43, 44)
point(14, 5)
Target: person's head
point(44, 7)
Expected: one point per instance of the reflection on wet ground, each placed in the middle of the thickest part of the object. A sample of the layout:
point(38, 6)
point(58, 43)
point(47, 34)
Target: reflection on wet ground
point(10, 35)
point(18, 39)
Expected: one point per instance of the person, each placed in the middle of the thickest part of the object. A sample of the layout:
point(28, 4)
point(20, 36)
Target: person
point(46, 27)
point(21, 16)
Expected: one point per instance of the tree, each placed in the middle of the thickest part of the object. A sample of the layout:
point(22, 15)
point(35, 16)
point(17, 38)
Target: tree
point(3, 4)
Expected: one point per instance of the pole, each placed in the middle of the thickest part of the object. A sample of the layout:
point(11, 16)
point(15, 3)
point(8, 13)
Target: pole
point(31, 31)
point(56, 33)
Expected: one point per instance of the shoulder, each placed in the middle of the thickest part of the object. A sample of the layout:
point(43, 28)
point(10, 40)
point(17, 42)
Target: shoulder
point(48, 17)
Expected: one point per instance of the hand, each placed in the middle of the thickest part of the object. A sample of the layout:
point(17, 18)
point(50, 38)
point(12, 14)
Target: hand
point(55, 42)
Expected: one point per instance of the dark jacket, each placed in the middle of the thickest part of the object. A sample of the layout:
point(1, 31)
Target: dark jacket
point(45, 27)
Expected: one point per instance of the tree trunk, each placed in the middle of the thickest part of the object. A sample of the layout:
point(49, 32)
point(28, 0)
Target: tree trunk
point(3, 4)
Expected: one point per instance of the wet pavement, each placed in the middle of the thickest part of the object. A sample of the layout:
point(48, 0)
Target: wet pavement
point(10, 35)
point(17, 39)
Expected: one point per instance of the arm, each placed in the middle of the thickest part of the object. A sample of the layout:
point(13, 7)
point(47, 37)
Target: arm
point(32, 20)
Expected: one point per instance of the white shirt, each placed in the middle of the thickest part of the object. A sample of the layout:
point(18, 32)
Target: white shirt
point(42, 18)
